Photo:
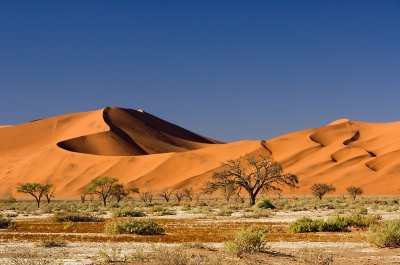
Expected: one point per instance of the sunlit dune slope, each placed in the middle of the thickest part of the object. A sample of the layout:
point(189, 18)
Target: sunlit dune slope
point(134, 146)
point(147, 152)
point(343, 153)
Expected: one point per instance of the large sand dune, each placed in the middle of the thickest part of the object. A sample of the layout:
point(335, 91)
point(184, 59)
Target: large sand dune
point(150, 153)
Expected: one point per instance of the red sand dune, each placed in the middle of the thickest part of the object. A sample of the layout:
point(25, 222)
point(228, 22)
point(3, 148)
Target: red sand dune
point(150, 153)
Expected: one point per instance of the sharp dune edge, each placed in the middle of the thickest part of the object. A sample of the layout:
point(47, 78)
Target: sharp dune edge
point(147, 152)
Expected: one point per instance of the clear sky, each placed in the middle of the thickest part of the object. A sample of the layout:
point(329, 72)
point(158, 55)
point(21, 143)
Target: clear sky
point(229, 69)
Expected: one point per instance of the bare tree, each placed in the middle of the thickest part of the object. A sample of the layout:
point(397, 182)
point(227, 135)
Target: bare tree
point(354, 191)
point(178, 195)
point(166, 194)
point(320, 189)
point(188, 193)
point(253, 175)
point(147, 197)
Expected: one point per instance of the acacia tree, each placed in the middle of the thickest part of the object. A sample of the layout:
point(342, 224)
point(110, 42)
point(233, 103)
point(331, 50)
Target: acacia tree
point(354, 191)
point(320, 189)
point(252, 175)
point(103, 187)
point(36, 190)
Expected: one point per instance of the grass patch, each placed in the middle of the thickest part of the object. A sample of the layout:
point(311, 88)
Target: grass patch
point(132, 226)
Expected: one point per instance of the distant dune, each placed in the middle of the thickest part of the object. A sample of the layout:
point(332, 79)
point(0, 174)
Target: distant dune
point(150, 153)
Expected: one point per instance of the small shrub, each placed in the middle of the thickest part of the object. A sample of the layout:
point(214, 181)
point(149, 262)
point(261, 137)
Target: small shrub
point(385, 234)
point(132, 226)
point(249, 239)
point(128, 213)
point(6, 223)
point(75, 217)
point(265, 204)
point(51, 243)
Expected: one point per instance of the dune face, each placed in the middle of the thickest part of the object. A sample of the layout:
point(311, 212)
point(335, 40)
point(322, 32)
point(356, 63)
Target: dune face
point(147, 152)
point(135, 133)
point(343, 153)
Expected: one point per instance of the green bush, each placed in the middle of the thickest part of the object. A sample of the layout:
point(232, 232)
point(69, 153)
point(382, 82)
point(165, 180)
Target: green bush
point(128, 213)
point(305, 224)
point(133, 226)
point(385, 234)
point(75, 217)
point(265, 204)
point(249, 239)
point(333, 224)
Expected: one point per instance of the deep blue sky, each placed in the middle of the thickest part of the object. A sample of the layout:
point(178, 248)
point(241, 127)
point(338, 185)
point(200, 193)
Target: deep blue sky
point(226, 69)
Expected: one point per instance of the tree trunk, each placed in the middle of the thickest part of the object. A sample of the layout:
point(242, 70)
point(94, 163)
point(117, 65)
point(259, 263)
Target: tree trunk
point(252, 199)
point(38, 202)
point(105, 201)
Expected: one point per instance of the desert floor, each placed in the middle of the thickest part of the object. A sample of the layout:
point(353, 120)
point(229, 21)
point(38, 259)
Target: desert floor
point(195, 234)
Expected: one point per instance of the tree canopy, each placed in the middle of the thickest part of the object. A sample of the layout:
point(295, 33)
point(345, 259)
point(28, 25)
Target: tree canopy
point(253, 175)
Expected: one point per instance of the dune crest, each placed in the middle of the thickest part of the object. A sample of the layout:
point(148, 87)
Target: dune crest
point(150, 153)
